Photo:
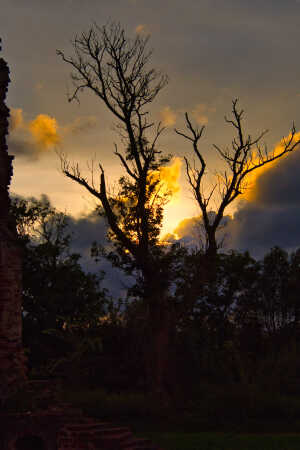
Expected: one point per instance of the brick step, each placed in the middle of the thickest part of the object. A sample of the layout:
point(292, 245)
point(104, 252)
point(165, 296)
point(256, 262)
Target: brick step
point(112, 437)
point(141, 447)
point(91, 434)
point(101, 430)
point(140, 444)
point(89, 425)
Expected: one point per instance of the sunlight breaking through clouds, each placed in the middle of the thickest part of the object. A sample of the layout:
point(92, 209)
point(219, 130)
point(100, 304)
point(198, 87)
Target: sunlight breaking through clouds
point(169, 178)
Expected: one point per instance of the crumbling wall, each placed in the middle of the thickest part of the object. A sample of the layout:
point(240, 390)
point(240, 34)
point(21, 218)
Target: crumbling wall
point(12, 359)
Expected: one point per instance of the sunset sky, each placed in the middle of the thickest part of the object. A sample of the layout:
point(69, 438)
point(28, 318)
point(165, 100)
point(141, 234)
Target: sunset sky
point(213, 51)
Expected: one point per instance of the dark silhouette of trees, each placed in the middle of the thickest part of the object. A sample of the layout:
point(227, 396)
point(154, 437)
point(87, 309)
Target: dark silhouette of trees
point(57, 294)
point(245, 156)
point(115, 68)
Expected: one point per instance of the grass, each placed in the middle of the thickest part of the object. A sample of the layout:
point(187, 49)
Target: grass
point(224, 441)
point(202, 426)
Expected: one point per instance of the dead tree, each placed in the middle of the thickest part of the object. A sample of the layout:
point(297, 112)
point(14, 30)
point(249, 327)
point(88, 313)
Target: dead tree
point(115, 68)
point(245, 156)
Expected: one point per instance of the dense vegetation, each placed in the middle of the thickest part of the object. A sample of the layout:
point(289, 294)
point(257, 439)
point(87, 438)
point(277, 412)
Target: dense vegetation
point(235, 357)
point(205, 339)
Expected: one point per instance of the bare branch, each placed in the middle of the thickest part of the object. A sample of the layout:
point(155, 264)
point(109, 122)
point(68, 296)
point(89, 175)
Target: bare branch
point(245, 156)
point(123, 161)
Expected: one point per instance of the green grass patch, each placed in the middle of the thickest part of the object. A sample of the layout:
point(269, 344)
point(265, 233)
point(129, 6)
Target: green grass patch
point(211, 424)
point(98, 403)
point(223, 441)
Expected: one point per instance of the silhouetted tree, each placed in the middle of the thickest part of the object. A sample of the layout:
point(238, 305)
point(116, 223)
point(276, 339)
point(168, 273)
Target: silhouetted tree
point(57, 293)
point(245, 156)
point(274, 303)
point(294, 289)
point(115, 68)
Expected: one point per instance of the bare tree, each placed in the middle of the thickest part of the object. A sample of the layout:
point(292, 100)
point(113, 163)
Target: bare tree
point(245, 156)
point(115, 68)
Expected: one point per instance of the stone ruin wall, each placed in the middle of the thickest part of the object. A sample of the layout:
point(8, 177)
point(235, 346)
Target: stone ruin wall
point(12, 359)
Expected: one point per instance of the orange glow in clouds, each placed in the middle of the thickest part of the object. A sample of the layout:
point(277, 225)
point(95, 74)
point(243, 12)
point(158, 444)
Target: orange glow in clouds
point(44, 130)
point(251, 192)
point(169, 179)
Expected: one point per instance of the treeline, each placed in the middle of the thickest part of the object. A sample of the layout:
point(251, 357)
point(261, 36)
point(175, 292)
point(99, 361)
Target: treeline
point(237, 327)
point(193, 318)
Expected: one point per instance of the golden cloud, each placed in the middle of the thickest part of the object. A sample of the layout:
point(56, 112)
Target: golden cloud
point(169, 178)
point(167, 116)
point(31, 138)
point(187, 227)
point(44, 130)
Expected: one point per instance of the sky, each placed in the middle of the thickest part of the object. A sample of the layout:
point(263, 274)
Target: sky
point(213, 52)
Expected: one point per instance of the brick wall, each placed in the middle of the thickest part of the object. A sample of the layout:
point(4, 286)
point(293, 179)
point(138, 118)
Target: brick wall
point(12, 360)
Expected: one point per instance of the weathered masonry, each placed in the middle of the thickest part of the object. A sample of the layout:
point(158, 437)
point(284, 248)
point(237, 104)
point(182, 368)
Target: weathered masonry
point(12, 360)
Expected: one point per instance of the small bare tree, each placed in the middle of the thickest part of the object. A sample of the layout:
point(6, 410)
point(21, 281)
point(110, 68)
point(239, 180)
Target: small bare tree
point(115, 68)
point(245, 156)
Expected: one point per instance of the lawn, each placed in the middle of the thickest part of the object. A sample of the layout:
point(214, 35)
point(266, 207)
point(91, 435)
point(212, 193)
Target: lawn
point(224, 441)
point(186, 430)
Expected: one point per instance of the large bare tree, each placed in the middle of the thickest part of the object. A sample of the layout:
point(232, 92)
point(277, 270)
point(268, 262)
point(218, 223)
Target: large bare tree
point(115, 68)
point(245, 155)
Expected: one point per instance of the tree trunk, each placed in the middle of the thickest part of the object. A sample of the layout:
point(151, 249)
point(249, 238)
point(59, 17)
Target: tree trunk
point(158, 356)
point(211, 258)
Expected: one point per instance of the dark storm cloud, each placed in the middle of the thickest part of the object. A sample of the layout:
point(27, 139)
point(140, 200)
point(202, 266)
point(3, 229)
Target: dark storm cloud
point(259, 228)
point(89, 229)
point(243, 46)
point(213, 50)
point(24, 148)
point(273, 218)
point(281, 184)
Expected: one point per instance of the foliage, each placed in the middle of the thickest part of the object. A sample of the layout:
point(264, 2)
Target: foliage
point(57, 294)
point(116, 68)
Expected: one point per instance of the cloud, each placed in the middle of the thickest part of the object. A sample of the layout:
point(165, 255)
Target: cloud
point(16, 119)
point(85, 230)
point(167, 117)
point(142, 29)
point(170, 175)
point(201, 112)
point(80, 125)
point(188, 227)
point(23, 146)
point(271, 218)
point(190, 232)
point(44, 130)
point(32, 139)
point(91, 228)
point(254, 190)
point(169, 178)
point(272, 215)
